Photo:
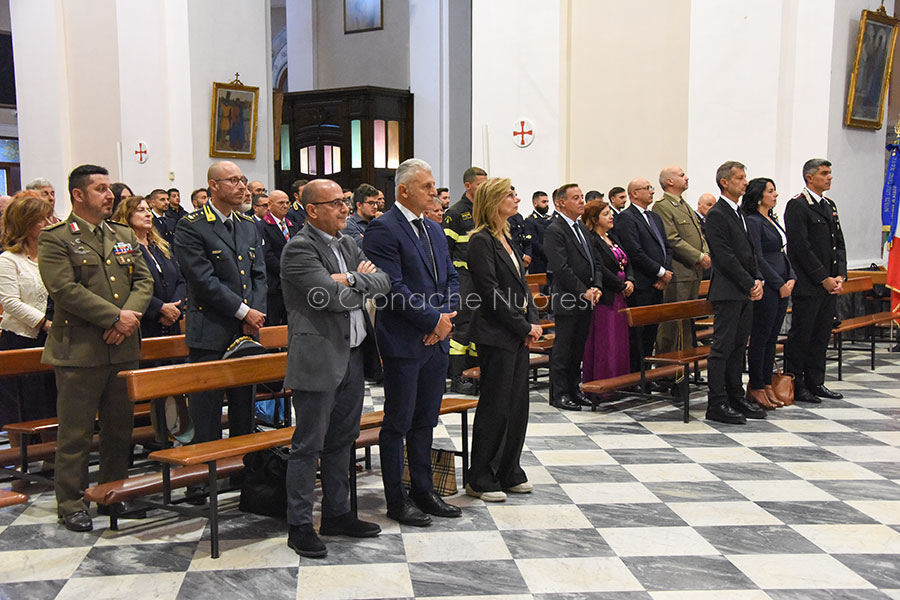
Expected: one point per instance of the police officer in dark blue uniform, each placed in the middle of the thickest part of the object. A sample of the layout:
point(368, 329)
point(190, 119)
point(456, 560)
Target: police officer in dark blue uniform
point(536, 225)
point(221, 257)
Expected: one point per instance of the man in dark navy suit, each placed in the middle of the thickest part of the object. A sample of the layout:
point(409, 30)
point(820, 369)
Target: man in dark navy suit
point(643, 237)
point(219, 251)
point(536, 225)
point(736, 284)
point(296, 213)
point(411, 328)
point(575, 290)
point(276, 229)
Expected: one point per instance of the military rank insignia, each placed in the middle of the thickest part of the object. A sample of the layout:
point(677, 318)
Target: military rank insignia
point(122, 248)
point(73, 227)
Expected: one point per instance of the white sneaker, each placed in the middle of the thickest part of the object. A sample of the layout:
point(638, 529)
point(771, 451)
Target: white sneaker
point(486, 496)
point(522, 488)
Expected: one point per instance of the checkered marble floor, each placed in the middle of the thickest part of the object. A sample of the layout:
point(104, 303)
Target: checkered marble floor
point(629, 503)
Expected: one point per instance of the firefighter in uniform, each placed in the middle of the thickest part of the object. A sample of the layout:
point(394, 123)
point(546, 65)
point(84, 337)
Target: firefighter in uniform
point(458, 223)
point(815, 245)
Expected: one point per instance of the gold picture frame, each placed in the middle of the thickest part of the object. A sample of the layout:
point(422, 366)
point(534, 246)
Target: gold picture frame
point(871, 72)
point(233, 117)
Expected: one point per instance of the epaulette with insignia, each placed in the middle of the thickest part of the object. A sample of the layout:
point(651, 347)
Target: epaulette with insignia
point(244, 217)
point(54, 226)
point(194, 215)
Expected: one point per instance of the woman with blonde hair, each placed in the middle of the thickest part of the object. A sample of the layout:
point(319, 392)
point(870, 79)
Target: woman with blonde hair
point(23, 297)
point(169, 292)
point(503, 327)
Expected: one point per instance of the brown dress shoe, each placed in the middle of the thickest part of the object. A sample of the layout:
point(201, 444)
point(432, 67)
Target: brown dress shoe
point(770, 394)
point(760, 397)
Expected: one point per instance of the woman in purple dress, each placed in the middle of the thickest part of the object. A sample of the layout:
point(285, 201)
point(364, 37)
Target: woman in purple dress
point(606, 350)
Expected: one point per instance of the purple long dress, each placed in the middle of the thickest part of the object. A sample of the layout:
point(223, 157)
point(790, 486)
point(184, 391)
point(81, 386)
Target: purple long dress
point(606, 350)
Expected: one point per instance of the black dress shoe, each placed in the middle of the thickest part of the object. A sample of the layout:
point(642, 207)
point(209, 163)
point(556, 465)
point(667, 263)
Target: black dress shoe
point(124, 510)
point(565, 402)
point(804, 395)
point(724, 413)
point(303, 540)
point(749, 408)
point(196, 495)
point(580, 399)
point(348, 524)
point(77, 521)
point(407, 513)
point(433, 504)
point(823, 392)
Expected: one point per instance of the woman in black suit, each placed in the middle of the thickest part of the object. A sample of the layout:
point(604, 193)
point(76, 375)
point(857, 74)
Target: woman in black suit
point(769, 241)
point(166, 307)
point(503, 327)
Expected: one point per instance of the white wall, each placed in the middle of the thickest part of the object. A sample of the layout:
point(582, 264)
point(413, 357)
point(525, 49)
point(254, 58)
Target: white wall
point(42, 94)
point(379, 58)
point(511, 81)
point(215, 57)
point(301, 44)
point(428, 72)
point(857, 154)
point(735, 62)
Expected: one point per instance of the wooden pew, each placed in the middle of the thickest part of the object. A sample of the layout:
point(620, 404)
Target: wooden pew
point(9, 498)
point(854, 286)
point(14, 363)
point(145, 384)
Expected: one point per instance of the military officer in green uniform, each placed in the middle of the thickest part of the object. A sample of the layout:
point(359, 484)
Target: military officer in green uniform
point(690, 256)
point(94, 271)
point(458, 223)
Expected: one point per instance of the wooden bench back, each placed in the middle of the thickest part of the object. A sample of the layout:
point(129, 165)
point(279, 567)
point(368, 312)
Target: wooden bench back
point(159, 382)
point(857, 284)
point(536, 278)
point(25, 362)
point(878, 277)
point(704, 288)
point(670, 311)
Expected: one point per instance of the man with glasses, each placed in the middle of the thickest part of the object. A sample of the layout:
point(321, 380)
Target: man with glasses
point(642, 235)
point(220, 254)
point(365, 199)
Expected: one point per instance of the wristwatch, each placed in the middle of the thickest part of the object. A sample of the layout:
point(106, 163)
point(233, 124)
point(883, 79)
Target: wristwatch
point(351, 279)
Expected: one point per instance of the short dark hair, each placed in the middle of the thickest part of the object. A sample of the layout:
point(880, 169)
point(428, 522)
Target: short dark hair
point(442, 190)
point(295, 187)
point(537, 195)
point(473, 172)
point(81, 176)
point(157, 192)
point(615, 191)
point(812, 165)
point(754, 193)
point(724, 171)
point(564, 189)
point(593, 195)
point(170, 190)
point(257, 197)
point(555, 194)
point(197, 191)
point(363, 191)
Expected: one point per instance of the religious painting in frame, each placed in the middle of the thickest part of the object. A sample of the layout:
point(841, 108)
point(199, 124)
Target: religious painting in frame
point(363, 15)
point(871, 72)
point(232, 131)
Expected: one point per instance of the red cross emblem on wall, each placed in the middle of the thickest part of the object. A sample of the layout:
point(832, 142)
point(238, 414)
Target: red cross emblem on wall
point(141, 153)
point(523, 133)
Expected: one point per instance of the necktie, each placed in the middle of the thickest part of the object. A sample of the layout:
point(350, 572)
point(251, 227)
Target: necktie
point(229, 225)
point(656, 232)
point(284, 231)
point(584, 245)
point(425, 242)
point(98, 231)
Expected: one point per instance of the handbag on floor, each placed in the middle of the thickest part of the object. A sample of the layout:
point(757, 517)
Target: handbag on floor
point(443, 471)
point(783, 386)
point(264, 491)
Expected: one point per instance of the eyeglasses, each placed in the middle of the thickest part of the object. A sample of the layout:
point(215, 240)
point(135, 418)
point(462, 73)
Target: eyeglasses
point(234, 180)
point(336, 203)
point(649, 188)
point(370, 202)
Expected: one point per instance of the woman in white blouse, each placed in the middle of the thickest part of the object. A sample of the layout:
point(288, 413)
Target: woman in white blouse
point(23, 297)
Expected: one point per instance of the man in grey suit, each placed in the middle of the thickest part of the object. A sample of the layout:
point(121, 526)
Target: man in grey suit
point(326, 279)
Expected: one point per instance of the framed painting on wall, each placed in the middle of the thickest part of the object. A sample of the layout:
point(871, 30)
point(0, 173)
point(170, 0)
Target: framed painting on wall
point(363, 15)
point(232, 131)
point(871, 72)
